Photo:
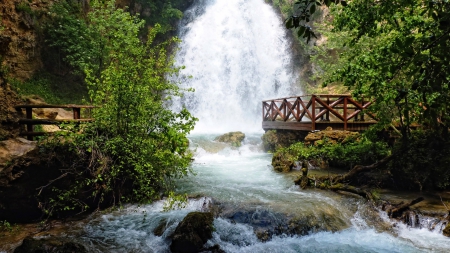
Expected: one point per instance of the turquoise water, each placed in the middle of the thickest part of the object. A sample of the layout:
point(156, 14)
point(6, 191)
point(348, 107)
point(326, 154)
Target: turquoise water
point(251, 196)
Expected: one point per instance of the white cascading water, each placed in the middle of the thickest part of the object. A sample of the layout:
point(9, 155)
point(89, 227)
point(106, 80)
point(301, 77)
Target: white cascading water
point(237, 54)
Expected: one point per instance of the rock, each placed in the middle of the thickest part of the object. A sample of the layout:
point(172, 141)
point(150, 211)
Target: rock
point(282, 162)
point(159, 230)
point(274, 139)
point(330, 136)
point(192, 233)
point(10, 150)
point(59, 245)
point(234, 138)
point(446, 230)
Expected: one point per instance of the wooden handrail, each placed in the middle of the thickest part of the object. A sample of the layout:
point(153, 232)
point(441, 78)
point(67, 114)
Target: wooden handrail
point(295, 109)
point(30, 122)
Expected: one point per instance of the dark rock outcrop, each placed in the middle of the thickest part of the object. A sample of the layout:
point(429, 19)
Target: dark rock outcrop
point(192, 233)
point(274, 139)
point(49, 245)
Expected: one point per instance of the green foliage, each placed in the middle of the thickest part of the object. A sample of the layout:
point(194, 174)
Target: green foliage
point(168, 12)
point(68, 38)
point(344, 155)
point(174, 202)
point(24, 6)
point(303, 15)
point(5, 226)
point(53, 89)
point(136, 146)
point(425, 164)
point(396, 53)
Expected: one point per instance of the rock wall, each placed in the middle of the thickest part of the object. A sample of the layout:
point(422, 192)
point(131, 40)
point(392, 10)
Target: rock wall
point(19, 39)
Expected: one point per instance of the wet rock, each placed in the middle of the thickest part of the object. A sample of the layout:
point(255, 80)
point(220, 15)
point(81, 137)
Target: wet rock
point(159, 230)
point(330, 136)
point(274, 139)
point(214, 249)
point(282, 162)
point(234, 138)
point(47, 245)
point(192, 233)
point(446, 230)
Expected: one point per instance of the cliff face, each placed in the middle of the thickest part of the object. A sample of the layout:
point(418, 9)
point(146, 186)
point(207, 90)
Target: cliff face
point(19, 39)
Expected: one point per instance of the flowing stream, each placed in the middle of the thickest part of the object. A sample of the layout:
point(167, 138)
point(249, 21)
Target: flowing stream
point(238, 54)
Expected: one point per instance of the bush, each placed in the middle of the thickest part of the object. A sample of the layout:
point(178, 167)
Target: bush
point(136, 146)
point(343, 155)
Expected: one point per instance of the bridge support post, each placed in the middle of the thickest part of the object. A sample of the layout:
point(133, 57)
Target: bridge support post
point(345, 113)
point(313, 113)
point(30, 127)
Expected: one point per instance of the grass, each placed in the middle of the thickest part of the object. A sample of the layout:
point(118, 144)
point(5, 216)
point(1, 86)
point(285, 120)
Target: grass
point(52, 89)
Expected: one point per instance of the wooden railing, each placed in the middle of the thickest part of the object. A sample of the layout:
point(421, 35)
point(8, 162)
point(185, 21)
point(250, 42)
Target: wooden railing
point(306, 112)
point(30, 122)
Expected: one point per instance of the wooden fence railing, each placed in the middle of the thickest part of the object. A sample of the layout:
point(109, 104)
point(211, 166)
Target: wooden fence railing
point(30, 122)
point(306, 112)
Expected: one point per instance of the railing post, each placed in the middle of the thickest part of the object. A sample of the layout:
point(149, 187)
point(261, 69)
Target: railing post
point(30, 127)
point(362, 111)
point(313, 120)
point(327, 114)
point(345, 113)
point(76, 113)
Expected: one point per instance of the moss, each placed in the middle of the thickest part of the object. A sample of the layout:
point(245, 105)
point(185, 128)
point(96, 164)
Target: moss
point(446, 230)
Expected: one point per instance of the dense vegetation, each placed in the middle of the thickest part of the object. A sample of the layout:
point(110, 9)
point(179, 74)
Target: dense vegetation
point(136, 146)
point(396, 53)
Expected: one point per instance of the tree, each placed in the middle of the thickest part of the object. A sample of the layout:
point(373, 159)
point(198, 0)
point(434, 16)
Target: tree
point(395, 52)
point(136, 146)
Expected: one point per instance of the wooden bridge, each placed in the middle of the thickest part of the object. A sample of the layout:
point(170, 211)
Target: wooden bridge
point(317, 112)
point(30, 122)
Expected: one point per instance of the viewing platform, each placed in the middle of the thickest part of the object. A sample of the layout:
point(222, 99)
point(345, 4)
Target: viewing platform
point(317, 112)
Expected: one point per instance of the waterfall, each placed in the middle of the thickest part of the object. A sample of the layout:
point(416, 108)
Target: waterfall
point(237, 53)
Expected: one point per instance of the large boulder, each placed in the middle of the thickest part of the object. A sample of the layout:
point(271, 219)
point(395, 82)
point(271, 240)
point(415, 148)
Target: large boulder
point(192, 233)
point(234, 138)
point(57, 245)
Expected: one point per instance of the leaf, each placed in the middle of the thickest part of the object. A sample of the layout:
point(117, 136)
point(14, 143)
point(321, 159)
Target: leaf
point(312, 9)
point(289, 23)
point(301, 31)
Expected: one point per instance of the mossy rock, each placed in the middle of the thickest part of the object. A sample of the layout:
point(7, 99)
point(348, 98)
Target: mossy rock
point(331, 137)
point(446, 230)
point(282, 162)
point(234, 138)
point(192, 233)
point(60, 245)
point(274, 139)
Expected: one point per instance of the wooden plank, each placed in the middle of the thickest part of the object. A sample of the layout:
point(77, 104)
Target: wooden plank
point(35, 133)
point(330, 109)
point(51, 121)
point(267, 125)
point(70, 106)
point(332, 105)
